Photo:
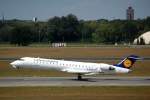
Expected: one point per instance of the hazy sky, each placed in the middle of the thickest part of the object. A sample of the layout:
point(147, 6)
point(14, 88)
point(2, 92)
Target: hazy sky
point(83, 9)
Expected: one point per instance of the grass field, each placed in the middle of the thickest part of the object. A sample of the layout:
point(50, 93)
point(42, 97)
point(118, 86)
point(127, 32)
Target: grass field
point(71, 52)
point(75, 93)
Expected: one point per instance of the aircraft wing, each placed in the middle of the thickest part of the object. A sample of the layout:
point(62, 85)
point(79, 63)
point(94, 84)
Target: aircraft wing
point(80, 71)
point(76, 71)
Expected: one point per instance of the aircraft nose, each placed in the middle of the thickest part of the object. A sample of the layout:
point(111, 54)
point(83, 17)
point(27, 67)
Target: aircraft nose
point(14, 64)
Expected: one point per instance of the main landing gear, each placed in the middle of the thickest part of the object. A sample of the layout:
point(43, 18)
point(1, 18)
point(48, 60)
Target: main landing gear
point(79, 77)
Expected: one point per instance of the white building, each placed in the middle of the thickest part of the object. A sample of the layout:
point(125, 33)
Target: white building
point(145, 37)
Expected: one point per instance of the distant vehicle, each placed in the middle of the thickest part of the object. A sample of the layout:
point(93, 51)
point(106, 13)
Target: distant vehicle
point(79, 68)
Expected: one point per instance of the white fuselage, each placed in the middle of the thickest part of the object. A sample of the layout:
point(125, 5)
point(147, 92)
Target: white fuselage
point(84, 68)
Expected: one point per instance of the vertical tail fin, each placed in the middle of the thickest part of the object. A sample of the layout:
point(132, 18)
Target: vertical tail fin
point(128, 61)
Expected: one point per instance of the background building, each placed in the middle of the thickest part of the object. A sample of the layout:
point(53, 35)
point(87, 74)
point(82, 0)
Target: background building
point(143, 39)
point(130, 13)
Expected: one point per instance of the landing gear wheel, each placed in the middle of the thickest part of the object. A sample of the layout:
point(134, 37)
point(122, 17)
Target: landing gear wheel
point(79, 77)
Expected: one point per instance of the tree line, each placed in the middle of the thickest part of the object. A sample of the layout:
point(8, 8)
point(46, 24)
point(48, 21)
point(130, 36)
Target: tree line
point(70, 29)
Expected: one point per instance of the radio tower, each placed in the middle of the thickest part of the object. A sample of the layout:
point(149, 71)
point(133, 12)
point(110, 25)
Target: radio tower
point(130, 13)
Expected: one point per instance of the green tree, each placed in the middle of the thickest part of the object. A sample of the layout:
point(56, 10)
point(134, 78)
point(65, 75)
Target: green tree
point(97, 38)
point(53, 27)
point(5, 33)
point(22, 36)
point(63, 29)
point(130, 30)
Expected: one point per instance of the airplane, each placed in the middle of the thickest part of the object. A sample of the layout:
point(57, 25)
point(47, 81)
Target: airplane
point(75, 67)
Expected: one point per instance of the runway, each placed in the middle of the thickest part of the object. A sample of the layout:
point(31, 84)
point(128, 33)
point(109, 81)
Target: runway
point(72, 81)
